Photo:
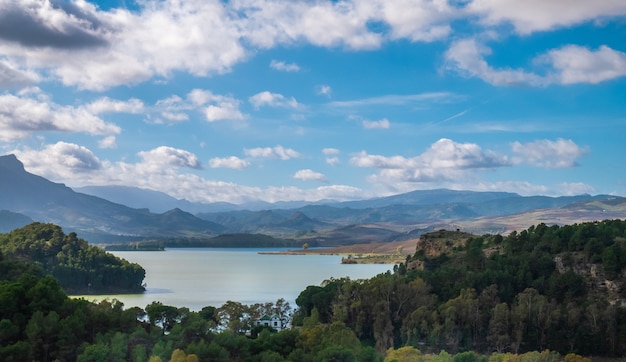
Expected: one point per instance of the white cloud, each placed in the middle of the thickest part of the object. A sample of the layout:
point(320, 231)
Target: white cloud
point(573, 189)
point(417, 20)
point(22, 116)
point(93, 49)
point(383, 124)
point(272, 152)
point(576, 64)
point(272, 22)
point(466, 57)
point(61, 160)
point(175, 117)
point(345, 23)
point(526, 188)
point(309, 175)
point(333, 161)
point(163, 169)
point(324, 90)
point(548, 154)
point(331, 158)
point(11, 76)
point(107, 142)
point(106, 105)
point(285, 67)
point(214, 107)
point(228, 162)
point(445, 160)
point(266, 98)
point(165, 157)
point(566, 65)
point(539, 15)
point(398, 99)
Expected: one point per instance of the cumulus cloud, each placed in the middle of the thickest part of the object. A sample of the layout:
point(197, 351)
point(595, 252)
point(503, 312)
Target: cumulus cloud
point(566, 65)
point(21, 116)
point(576, 64)
point(85, 46)
point(94, 49)
point(272, 152)
point(548, 154)
point(466, 57)
point(345, 23)
point(228, 162)
point(445, 160)
point(539, 15)
point(33, 23)
point(266, 98)
point(11, 76)
point(309, 175)
point(214, 107)
point(61, 160)
point(283, 66)
point(383, 123)
point(164, 157)
point(417, 20)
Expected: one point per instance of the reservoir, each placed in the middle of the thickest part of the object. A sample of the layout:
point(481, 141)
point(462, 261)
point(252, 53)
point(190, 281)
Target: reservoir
point(198, 277)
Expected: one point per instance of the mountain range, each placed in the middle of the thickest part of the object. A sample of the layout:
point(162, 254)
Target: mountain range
point(109, 214)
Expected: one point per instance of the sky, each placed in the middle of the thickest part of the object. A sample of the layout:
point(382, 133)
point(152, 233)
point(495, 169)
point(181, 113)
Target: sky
point(275, 100)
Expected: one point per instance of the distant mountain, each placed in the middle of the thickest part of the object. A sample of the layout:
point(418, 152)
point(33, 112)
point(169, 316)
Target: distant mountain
point(11, 220)
point(429, 197)
point(384, 219)
point(46, 201)
point(155, 201)
point(159, 202)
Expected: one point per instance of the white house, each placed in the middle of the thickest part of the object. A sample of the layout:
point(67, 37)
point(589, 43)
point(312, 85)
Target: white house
point(273, 321)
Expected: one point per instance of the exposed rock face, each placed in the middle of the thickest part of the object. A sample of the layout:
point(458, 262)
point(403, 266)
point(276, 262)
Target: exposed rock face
point(438, 242)
point(415, 265)
point(593, 273)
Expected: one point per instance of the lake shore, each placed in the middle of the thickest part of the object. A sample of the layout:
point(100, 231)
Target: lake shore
point(356, 254)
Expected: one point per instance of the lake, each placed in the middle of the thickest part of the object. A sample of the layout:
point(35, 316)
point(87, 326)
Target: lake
point(197, 277)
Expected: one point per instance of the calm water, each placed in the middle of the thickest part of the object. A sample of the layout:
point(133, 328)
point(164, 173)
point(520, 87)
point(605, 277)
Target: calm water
point(195, 278)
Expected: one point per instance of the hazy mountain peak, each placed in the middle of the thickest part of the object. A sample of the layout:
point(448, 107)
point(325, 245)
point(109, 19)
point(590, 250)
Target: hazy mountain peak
point(11, 163)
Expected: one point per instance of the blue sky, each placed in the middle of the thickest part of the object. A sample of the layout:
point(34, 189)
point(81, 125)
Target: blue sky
point(310, 100)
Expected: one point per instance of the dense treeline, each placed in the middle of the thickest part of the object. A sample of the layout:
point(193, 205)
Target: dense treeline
point(547, 287)
point(78, 266)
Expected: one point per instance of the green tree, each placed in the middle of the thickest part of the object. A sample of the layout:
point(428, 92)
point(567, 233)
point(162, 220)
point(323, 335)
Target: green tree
point(404, 354)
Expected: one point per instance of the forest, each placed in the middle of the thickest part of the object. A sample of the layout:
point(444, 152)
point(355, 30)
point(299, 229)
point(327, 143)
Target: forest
point(79, 267)
point(548, 293)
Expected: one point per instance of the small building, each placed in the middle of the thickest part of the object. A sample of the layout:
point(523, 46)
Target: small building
point(273, 321)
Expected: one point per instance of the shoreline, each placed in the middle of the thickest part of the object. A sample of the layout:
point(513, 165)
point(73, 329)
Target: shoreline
point(347, 257)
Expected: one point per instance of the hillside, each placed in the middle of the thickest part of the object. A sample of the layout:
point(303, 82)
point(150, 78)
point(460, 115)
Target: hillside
point(12, 220)
point(79, 267)
point(556, 288)
point(99, 219)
